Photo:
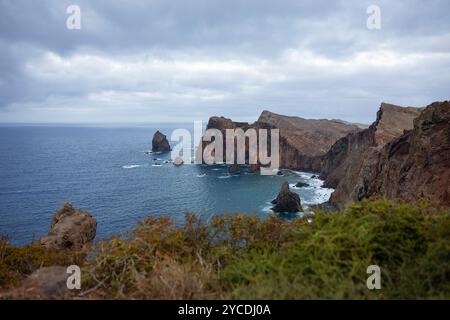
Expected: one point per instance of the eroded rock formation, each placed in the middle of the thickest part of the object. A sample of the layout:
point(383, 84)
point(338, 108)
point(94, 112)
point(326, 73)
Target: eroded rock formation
point(70, 229)
point(287, 201)
point(160, 142)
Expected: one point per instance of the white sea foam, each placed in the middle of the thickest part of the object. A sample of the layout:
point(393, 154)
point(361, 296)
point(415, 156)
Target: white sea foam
point(201, 175)
point(132, 166)
point(224, 177)
point(268, 207)
point(321, 195)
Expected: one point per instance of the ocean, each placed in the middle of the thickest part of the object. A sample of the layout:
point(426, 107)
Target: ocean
point(104, 170)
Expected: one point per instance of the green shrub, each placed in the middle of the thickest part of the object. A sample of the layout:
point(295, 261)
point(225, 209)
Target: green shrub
point(328, 259)
point(18, 262)
point(245, 257)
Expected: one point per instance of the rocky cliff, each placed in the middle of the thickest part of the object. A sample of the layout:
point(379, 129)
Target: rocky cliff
point(416, 164)
point(302, 141)
point(348, 165)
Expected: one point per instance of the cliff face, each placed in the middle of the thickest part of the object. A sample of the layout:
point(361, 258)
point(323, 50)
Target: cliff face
point(302, 141)
point(417, 164)
point(312, 137)
point(378, 160)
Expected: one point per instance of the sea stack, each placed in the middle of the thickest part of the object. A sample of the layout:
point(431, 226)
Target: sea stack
point(160, 142)
point(287, 201)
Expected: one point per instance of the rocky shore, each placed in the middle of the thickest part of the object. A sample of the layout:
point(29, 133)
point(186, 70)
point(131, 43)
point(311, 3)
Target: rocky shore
point(403, 155)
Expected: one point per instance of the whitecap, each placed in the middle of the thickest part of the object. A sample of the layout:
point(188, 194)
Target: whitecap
point(321, 195)
point(131, 166)
point(268, 207)
point(201, 175)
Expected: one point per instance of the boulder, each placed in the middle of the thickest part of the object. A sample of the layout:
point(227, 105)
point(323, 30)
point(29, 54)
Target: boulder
point(301, 185)
point(45, 283)
point(70, 229)
point(234, 169)
point(287, 201)
point(160, 142)
point(178, 161)
point(254, 168)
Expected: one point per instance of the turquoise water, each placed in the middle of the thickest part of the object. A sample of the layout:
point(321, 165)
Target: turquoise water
point(105, 171)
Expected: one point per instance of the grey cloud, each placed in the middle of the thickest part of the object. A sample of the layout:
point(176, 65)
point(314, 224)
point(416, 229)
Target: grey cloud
point(187, 59)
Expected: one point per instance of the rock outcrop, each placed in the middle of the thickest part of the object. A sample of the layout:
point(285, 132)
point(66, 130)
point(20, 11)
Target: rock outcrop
point(178, 161)
point(48, 283)
point(302, 141)
point(287, 201)
point(349, 166)
point(301, 185)
point(160, 143)
point(233, 169)
point(416, 164)
point(70, 229)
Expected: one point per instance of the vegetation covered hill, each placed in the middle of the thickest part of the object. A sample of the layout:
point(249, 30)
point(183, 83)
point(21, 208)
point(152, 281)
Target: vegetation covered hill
point(250, 258)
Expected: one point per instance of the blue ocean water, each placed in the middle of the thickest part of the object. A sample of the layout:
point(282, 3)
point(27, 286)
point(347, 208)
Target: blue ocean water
point(105, 171)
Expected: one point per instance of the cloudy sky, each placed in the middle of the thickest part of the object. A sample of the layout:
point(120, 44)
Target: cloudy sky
point(170, 60)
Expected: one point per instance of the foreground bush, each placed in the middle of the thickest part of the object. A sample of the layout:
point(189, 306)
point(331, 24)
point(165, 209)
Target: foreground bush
point(18, 262)
point(329, 258)
point(244, 257)
point(249, 258)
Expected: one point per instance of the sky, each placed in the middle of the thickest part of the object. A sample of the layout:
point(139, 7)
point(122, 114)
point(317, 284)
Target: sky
point(179, 61)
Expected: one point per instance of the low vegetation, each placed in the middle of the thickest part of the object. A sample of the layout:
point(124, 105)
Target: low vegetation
point(244, 257)
point(18, 262)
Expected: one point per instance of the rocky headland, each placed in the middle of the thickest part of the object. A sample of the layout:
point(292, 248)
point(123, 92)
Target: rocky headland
point(302, 141)
point(417, 163)
point(403, 155)
point(346, 167)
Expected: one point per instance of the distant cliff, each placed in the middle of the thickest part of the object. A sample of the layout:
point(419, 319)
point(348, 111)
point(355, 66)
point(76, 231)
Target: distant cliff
point(403, 155)
point(302, 141)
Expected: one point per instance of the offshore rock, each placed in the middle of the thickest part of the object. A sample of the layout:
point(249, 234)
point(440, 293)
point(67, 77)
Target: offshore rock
point(287, 201)
point(160, 143)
